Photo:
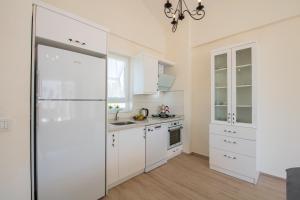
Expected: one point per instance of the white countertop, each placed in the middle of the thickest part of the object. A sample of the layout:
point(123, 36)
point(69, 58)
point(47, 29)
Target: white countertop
point(147, 122)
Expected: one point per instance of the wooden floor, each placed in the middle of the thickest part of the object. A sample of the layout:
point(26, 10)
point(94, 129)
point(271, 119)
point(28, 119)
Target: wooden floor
point(188, 177)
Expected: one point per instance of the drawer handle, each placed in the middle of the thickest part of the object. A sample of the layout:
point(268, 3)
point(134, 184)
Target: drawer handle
point(76, 41)
point(225, 130)
point(229, 131)
point(230, 157)
point(230, 142)
point(233, 131)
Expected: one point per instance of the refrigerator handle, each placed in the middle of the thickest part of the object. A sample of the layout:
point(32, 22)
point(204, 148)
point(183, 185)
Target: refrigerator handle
point(39, 86)
point(37, 116)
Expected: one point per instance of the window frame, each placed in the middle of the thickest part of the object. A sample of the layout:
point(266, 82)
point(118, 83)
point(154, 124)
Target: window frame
point(127, 83)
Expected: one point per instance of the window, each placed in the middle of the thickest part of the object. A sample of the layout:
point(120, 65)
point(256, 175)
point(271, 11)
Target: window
point(118, 82)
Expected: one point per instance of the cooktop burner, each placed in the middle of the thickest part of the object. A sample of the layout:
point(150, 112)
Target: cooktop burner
point(163, 115)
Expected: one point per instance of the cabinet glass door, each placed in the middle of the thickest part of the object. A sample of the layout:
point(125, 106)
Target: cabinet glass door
point(221, 71)
point(242, 85)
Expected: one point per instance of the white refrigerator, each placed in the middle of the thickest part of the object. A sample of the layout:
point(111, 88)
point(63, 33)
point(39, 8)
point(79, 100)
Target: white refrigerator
point(70, 125)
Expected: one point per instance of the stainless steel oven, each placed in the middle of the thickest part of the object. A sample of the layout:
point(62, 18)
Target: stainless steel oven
point(175, 134)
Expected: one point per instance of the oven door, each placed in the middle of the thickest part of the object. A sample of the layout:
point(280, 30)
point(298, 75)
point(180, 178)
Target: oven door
point(175, 137)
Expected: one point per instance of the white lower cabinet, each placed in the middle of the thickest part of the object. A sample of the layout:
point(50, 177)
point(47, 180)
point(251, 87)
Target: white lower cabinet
point(131, 152)
point(125, 155)
point(112, 158)
point(232, 152)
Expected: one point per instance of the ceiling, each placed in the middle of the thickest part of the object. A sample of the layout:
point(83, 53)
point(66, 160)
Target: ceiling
point(227, 17)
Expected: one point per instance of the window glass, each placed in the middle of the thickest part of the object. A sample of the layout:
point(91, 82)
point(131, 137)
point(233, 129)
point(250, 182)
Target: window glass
point(118, 82)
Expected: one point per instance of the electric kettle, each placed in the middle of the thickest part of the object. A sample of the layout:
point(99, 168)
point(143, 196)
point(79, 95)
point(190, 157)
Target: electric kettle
point(144, 112)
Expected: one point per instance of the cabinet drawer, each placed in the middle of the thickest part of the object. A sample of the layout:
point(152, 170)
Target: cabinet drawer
point(233, 131)
point(240, 146)
point(63, 29)
point(240, 164)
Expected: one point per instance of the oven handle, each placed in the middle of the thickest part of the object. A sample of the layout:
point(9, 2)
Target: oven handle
point(173, 129)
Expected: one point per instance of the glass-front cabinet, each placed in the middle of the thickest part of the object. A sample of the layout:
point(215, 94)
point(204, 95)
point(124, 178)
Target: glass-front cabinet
point(233, 85)
point(221, 90)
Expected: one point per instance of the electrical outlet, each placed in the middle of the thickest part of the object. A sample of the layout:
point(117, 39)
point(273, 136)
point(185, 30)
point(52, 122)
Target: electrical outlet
point(3, 124)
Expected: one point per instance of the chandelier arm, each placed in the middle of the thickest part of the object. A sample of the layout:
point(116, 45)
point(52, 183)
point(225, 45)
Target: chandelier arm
point(169, 13)
point(200, 13)
point(187, 8)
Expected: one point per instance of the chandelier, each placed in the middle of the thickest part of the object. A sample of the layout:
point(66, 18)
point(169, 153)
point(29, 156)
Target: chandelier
point(180, 11)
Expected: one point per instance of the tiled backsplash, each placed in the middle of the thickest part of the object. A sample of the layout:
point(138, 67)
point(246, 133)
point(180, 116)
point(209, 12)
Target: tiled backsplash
point(174, 99)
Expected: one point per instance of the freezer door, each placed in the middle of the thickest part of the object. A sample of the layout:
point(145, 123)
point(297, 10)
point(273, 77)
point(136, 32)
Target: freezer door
point(65, 74)
point(70, 150)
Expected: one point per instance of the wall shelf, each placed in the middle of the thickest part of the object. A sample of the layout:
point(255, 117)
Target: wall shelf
point(220, 69)
point(243, 86)
point(242, 66)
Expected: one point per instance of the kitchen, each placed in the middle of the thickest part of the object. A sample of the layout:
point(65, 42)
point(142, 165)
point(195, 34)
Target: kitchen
point(64, 102)
point(140, 99)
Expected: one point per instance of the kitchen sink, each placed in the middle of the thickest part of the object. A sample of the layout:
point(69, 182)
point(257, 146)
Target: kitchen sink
point(122, 123)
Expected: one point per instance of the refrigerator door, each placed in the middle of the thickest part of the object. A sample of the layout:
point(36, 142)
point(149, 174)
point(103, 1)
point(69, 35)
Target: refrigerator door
point(70, 150)
point(65, 74)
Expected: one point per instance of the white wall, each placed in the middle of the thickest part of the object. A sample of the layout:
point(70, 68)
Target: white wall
point(228, 17)
point(278, 94)
point(179, 51)
point(15, 19)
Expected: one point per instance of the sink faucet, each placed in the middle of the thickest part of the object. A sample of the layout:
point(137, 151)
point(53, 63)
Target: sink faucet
point(116, 115)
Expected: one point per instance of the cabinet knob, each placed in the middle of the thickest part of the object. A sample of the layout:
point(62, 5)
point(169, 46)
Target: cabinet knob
point(225, 130)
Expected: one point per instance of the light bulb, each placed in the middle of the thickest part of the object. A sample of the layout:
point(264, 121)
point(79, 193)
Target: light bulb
point(174, 16)
point(199, 1)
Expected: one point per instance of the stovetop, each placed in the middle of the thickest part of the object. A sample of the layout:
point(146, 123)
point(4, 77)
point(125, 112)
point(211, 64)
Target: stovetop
point(164, 115)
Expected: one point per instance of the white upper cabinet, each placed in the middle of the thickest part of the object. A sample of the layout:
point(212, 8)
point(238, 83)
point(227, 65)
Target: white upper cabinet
point(221, 90)
point(145, 74)
point(58, 27)
point(233, 86)
point(243, 85)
